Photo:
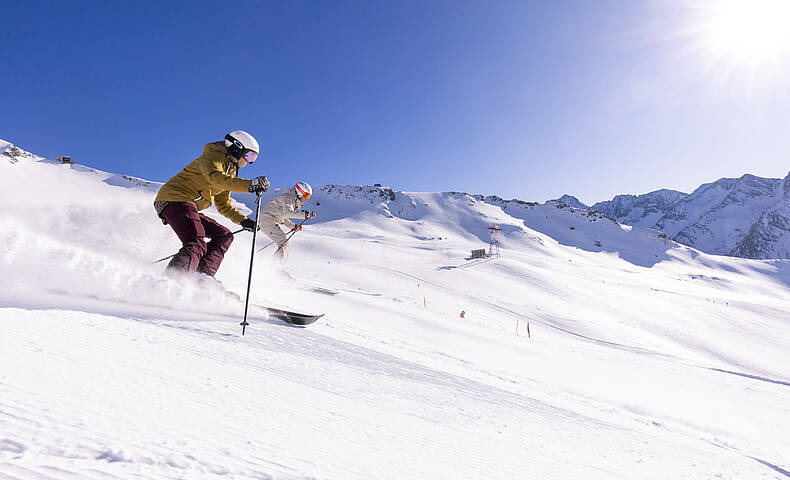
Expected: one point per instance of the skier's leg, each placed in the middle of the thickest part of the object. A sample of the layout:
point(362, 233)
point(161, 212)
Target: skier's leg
point(285, 249)
point(221, 238)
point(278, 237)
point(184, 219)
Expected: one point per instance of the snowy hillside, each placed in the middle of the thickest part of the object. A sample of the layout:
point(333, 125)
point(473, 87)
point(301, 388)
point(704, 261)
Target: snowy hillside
point(590, 349)
point(744, 217)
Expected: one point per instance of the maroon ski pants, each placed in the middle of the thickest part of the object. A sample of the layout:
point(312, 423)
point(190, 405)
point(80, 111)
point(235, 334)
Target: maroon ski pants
point(192, 229)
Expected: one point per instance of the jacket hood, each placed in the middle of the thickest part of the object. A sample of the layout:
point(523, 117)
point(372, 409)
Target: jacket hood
point(219, 147)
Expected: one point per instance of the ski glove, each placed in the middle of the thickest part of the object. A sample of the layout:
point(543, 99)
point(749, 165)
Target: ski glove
point(249, 225)
point(309, 214)
point(297, 228)
point(259, 184)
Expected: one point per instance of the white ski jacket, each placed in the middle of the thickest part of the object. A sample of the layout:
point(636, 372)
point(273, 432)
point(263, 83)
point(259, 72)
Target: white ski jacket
point(280, 210)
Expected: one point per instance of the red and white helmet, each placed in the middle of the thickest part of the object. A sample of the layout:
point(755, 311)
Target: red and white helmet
point(303, 190)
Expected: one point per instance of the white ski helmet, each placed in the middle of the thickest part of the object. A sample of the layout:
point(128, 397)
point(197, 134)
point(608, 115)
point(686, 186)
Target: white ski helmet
point(303, 190)
point(240, 142)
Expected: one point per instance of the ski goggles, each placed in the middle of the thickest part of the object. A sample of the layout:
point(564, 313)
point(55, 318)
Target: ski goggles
point(250, 156)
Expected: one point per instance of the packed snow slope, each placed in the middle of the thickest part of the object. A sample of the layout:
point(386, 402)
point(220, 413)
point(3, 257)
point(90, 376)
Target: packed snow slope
point(588, 350)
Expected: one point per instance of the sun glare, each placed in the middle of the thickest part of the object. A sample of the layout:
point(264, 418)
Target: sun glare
point(747, 30)
point(740, 44)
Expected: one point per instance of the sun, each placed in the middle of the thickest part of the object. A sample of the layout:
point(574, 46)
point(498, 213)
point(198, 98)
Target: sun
point(746, 30)
point(741, 45)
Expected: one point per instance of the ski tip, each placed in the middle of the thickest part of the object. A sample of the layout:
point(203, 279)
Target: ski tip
point(298, 320)
point(292, 318)
point(325, 291)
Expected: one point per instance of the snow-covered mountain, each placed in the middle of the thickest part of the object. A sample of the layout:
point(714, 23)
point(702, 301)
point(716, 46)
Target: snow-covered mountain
point(590, 349)
point(643, 210)
point(571, 201)
point(13, 154)
point(744, 217)
point(769, 236)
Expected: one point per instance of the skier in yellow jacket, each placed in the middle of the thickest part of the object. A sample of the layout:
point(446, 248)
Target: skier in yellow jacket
point(210, 178)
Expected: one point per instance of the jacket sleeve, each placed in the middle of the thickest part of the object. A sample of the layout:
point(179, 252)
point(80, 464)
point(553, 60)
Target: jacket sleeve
point(278, 210)
point(297, 214)
point(212, 169)
point(222, 202)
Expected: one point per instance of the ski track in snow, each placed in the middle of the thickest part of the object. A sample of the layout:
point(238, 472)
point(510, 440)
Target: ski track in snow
point(438, 405)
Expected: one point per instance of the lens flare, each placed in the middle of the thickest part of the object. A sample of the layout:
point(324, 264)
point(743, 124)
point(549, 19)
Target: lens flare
point(746, 30)
point(738, 45)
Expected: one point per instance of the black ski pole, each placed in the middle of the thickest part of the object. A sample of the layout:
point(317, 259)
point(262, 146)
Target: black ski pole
point(173, 255)
point(244, 322)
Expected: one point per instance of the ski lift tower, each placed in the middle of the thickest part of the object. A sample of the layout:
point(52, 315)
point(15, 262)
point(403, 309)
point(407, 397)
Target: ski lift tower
point(493, 245)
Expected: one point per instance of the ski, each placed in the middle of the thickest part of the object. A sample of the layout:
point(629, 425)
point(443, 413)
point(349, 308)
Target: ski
point(325, 291)
point(287, 316)
point(293, 318)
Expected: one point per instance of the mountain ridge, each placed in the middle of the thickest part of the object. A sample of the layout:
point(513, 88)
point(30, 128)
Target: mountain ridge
point(743, 217)
point(746, 217)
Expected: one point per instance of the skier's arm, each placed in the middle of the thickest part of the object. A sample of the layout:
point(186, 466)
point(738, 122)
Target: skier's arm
point(211, 167)
point(298, 214)
point(222, 201)
point(301, 214)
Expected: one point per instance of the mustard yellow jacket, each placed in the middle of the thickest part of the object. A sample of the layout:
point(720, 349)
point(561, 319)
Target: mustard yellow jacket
point(208, 179)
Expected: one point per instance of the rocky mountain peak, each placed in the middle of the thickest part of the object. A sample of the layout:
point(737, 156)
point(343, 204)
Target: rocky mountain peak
point(571, 201)
point(745, 217)
point(14, 154)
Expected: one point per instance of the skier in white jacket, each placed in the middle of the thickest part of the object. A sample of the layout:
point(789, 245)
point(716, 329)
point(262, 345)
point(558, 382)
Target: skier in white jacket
point(280, 210)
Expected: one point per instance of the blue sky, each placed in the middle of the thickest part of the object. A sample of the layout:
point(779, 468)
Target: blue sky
point(522, 99)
